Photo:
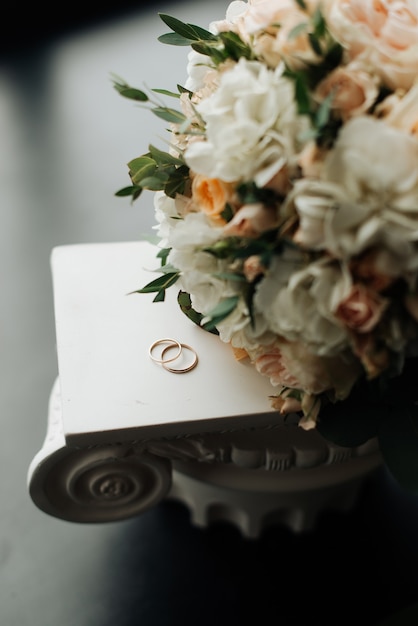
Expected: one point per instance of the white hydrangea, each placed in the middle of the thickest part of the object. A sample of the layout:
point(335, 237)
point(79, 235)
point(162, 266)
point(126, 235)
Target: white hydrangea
point(363, 198)
point(251, 125)
point(303, 308)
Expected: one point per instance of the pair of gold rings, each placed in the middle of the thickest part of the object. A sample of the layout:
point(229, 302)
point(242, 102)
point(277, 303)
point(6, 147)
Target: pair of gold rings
point(187, 355)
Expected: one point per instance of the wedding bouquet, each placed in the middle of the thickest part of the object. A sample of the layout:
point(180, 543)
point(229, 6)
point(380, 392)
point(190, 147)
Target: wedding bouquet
point(286, 206)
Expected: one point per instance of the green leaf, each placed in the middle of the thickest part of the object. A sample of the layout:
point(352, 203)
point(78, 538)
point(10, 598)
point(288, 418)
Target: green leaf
point(302, 95)
point(127, 191)
point(234, 47)
point(324, 111)
point(160, 297)
point(185, 304)
point(188, 31)
point(164, 158)
point(214, 52)
point(155, 183)
point(165, 92)
point(127, 91)
point(140, 168)
point(315, 44)
point(172, 39)
point(134, 94)
point(161, 283)
point(220, 312)
point(319, 23)
point(177, 181)
point(169, 115)
point(163, 254)
point(298, 30)
point(398, 441)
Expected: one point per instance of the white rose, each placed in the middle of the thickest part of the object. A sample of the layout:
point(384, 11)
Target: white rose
point(251, 125)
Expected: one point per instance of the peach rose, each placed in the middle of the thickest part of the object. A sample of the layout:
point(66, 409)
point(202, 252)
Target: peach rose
point(384, 33)
point(362, 309)
point(353, 90)
point(211, 195)
point(290, 364)
point(270, 27)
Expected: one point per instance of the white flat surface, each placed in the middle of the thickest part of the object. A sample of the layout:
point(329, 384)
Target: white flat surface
point(108, 380)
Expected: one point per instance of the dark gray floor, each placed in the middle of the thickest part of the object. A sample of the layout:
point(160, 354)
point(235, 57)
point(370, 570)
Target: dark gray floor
point(65, 136)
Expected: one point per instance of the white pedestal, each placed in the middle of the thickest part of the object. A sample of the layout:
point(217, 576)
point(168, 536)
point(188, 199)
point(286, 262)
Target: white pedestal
point(124, 433)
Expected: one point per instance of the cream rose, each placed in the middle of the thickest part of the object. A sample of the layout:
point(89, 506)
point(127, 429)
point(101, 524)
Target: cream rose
point(383, 33)
point(402, 111)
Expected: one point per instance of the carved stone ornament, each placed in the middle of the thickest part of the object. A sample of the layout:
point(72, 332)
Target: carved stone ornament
point(253, 477)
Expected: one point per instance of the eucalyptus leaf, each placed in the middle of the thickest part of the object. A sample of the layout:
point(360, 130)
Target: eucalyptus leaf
point(319, 23)
point(220, 312)
point(154, 183)
point(127, 91)
point(176, 182)
point(189, 31)
point(169, 115)
point(140, 168)
point(298, 30)
point(163, 282)
point(127, 191)
point(163, 254)
point(185, 304)
point(165, 92)
point(134, 94)
point(160, 297)
point(315, 44)
point(173, 39)
point(324, 111)
point(163, 158)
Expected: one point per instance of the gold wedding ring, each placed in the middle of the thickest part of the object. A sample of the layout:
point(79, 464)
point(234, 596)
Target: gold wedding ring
point(179, 370)
point(188, 362)
point(172, 343)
